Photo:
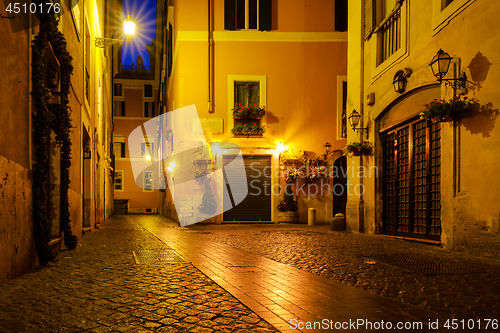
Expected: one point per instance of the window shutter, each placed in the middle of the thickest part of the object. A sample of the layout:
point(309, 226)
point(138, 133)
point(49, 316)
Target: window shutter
point(169, 50)
point(369, 16)
point(229, 14)
point(122, 144)
point(265, 15)
point(340, 15)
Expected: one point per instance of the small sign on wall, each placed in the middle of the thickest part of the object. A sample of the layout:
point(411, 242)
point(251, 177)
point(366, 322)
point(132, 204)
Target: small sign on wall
point(208, 125)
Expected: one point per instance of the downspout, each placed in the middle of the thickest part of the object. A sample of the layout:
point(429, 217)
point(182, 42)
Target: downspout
point(210, 107)
point(361, 212)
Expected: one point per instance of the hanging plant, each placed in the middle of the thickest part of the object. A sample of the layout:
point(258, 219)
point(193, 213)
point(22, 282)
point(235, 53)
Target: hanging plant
point(454, 109)
point(359, 148)
point(48, 117)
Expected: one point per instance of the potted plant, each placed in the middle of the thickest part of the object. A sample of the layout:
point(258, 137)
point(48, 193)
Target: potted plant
point(287, 207)
point(252, 111)
point(454, 109)
point(248, 129)
point(316, 174)
point(359, 148)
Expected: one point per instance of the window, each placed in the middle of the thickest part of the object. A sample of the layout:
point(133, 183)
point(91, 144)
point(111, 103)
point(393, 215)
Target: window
point(148, 90)
point(118, 180)
point(149, 109)
point(169, 50)
point(341, 107)
point(443, 11)
point(119, 108)
point(147, 149)
point(386, 21)
point(119, 149)
point(87, 61)
point(248, 90)
point(148, 181)
point(389, 29)
point(247, 93)
point(248, 15)
point(117, 89)
point(445, 3)
point(340, 15)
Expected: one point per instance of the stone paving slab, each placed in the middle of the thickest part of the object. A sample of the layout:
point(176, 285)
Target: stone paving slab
point(281, 294)
point(352, 259)
point(99, 288)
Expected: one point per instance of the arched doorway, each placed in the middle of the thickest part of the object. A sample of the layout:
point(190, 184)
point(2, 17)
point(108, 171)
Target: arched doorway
point(411, 164)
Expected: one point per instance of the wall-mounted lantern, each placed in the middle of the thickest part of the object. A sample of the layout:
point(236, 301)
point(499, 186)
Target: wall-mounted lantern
point(354, 121)
point(400, 80)
point(440, 65)
point(327, 147)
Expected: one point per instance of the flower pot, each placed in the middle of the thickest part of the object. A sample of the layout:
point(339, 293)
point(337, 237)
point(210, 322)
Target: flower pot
point(288, 217)
point(356, 153)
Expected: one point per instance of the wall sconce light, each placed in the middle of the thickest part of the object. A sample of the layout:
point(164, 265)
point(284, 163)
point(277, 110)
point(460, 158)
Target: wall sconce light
point(327, 147)
point(354, 121)
point(440, 65)
point(400, 80)
point(128, 29)
point(280, 147)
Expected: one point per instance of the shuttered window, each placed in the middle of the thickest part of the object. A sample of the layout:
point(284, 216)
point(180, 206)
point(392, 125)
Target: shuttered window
point(248, 14)
point(340, 15)
point(257, 205)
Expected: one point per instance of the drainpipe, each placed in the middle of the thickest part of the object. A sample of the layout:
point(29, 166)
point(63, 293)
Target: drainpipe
point(361, 212)
point(210, 106)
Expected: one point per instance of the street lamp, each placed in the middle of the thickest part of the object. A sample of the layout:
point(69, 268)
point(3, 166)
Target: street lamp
point(128, 28)
point(440, 65)
point(327, 147)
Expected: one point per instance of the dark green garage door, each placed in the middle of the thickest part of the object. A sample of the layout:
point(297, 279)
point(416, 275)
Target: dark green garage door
point(257, 205)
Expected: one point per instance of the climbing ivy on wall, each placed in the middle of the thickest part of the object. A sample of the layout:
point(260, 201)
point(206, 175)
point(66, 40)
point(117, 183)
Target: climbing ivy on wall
point(49, 117)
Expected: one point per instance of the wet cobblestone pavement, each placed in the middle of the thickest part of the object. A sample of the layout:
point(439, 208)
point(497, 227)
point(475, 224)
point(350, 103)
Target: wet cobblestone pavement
point(352, 259)
point(99, 288)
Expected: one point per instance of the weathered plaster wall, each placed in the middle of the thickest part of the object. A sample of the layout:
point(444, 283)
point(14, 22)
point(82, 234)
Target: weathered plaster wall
point(17, 244)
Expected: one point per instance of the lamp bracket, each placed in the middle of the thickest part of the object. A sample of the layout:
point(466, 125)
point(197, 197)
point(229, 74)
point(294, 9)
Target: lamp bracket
point(105, 42)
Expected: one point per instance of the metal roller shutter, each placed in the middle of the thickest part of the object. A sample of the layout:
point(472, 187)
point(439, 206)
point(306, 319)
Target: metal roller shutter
point(257, 205)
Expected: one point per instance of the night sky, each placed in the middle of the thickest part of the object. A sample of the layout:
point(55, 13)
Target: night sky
point(143, 13)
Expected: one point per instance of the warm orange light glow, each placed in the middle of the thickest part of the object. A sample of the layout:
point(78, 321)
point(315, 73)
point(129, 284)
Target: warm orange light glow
point(280, 147)
point(129, 27)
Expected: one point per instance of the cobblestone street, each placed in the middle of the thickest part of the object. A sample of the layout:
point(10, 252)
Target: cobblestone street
point(99, 288)
point(351, 259)
point(244, 278)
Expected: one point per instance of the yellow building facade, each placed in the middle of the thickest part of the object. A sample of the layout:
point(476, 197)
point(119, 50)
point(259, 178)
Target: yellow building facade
point(290, 59)
point(430, 180)
point(90, 193)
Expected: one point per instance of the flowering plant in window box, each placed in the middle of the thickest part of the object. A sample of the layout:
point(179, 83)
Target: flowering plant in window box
point(292, 174)
point(250, 111)
point(248, 129)
point(316, 173)
point(453, 109)
point(359, 148)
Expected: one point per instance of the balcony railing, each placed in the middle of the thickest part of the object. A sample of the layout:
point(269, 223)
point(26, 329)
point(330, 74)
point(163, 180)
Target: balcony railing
point(135, 67)
point(391, 35)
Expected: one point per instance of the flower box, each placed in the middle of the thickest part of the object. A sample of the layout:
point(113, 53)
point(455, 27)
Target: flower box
point(359, 148)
